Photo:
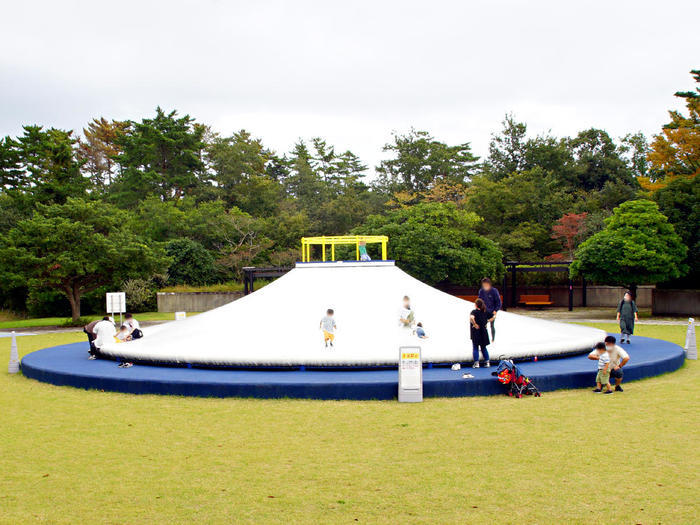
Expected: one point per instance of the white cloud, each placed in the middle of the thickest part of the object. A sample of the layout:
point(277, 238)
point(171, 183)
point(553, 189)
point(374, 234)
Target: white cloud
point(351, 72)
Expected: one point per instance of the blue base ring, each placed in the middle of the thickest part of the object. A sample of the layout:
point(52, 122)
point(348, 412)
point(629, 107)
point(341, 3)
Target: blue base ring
point(68, 365)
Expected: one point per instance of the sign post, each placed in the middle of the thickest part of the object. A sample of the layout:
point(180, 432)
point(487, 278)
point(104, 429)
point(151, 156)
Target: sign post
point(691, 345)
point(410, 374)
point(116, 304)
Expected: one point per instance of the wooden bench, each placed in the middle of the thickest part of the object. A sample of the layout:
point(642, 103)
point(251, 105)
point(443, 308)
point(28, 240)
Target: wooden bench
point(535, 300)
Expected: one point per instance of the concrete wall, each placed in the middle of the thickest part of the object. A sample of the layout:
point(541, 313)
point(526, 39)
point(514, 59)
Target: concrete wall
point(676, 302)
point(194, 301)
point(606, 296)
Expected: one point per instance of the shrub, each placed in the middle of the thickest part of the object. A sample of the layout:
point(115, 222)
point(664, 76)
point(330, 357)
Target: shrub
point(191, 263)
point(140, 295)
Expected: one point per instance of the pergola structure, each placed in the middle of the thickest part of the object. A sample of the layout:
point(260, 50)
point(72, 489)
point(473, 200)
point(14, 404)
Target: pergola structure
point(307, 244)
point(513, 267)
point(250, 273)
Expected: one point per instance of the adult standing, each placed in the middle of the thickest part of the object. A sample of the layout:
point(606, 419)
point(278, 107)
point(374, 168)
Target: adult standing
point(627, 314)
point(618, 359)
point(492, 299)
point(105, 332)
point(478, 332)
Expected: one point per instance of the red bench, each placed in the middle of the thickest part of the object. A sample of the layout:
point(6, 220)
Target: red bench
point(535, 300)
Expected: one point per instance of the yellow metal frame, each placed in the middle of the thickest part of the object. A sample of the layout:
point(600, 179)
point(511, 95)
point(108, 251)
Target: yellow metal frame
point(333, 241)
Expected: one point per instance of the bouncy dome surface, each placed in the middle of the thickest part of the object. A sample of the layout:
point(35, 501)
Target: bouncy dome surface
point(278, 325)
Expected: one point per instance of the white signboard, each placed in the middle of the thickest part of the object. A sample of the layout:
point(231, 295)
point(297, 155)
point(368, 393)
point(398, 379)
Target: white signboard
point(116, 303)
point(180, 316)
point(410, 374)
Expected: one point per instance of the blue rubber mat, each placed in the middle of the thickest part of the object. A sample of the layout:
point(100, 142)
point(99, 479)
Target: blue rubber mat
point(68, 365)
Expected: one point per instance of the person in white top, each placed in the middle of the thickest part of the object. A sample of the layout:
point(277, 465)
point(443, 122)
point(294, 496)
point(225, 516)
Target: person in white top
point(407, 316)
point(105, 332)
point(618, 358)
point(134, 326)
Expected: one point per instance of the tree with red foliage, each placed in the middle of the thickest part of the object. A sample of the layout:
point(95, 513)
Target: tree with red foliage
point(569, 230)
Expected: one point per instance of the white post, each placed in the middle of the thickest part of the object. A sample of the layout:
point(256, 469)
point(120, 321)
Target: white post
point(13, 367)
point(691, 345)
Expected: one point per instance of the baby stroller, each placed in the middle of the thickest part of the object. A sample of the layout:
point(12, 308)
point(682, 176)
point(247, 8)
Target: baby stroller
point(516, 384)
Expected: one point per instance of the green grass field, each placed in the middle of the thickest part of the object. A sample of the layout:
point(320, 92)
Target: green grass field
point(10, 322)
point(75, 456)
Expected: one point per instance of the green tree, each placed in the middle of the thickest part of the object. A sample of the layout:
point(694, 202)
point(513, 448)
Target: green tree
point(420, 161)
point(75, 248)
point(437, 242)
point(519, 211)
point(41, 167)
point(191, 263)
point(162, 156)
point(679, 200)
point(507, 150)
point(637, 246)
point(303, 182)
point(599, 160)
point(240, 166)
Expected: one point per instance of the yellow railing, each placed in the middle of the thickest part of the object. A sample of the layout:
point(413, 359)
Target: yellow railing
point(308, 242)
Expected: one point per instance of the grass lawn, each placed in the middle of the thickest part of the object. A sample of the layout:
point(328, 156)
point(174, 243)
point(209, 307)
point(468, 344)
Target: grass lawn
point(10, 323)
point(75, 456)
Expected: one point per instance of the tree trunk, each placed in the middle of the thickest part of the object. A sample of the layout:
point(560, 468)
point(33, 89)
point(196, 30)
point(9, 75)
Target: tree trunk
point(74, 300)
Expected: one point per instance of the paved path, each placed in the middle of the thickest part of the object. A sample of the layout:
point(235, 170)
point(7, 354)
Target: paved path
point(641, 321)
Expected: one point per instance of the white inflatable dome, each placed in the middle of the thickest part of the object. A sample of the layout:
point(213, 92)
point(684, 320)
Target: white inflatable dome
point(278, 325)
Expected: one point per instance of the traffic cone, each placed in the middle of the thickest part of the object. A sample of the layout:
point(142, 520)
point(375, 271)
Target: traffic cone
point(13, 367)
point(691, 345)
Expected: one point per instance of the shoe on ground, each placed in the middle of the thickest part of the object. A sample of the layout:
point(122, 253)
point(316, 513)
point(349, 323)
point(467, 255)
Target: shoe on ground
point(487, 364)
point(475, 365)
point(331, 344)
point(618, 388)
point(597, 390)
point(127, 365)
point(608, 392)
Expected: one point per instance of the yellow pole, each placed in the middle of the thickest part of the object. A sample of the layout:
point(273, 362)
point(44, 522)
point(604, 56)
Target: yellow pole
point(357, 249)
point(383, 250)
point(332, 251)
point(323, 251)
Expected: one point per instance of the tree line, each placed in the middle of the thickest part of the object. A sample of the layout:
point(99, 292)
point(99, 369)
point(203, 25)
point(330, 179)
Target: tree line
point(167, 199)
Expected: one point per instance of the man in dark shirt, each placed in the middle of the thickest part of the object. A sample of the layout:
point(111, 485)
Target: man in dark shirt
point(492, 300)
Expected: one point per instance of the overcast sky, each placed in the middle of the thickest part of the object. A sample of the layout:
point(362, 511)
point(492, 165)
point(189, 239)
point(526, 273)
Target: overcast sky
point(349, 71)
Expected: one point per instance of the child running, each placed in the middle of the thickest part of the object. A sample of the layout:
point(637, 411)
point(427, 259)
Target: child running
point(328, 326)
point(603, 376)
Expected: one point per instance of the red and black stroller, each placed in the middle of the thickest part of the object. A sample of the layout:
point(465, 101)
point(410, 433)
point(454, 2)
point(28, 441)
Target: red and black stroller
point(516, 383)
